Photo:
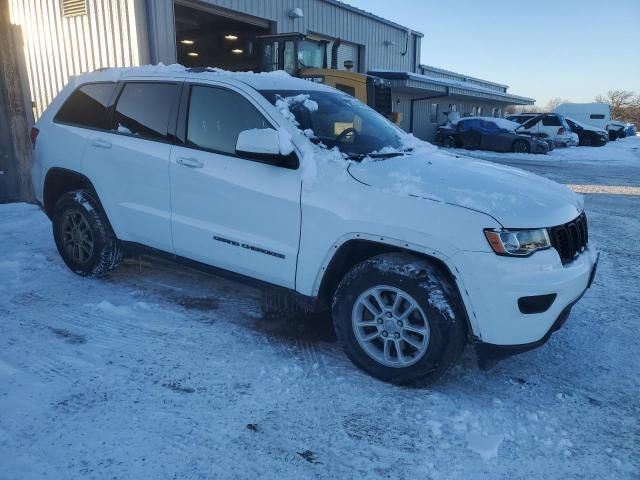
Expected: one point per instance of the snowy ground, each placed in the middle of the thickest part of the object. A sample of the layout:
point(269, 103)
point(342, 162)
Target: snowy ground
point(162, 372)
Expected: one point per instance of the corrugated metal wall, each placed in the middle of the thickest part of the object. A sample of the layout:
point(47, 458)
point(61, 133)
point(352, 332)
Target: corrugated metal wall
point(57, 47)
point(383, 43)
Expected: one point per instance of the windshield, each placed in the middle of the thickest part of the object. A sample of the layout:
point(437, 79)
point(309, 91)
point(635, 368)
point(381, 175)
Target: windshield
point(335, 119)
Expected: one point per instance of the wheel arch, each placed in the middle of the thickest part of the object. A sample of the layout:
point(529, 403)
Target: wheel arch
point(59, 181)
point(352, 251)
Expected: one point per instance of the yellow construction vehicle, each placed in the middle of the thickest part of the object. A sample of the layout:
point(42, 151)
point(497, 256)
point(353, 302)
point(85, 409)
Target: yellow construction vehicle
point(305, 57)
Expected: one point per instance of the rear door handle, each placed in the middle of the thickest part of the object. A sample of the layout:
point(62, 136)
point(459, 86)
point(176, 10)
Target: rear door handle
point(100, 143)
point(190, 162)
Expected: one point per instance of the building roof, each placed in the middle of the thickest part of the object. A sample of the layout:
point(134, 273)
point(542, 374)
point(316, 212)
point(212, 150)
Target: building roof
point(372, 16)
point(426, 85)
point(461, 75)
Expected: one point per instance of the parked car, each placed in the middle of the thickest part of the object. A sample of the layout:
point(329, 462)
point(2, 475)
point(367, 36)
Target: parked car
point(550, 124)
point(589, 136)
point(595, 114)
point(489, 133)
point(630, 131)
point(616, 129)
point(414, 251)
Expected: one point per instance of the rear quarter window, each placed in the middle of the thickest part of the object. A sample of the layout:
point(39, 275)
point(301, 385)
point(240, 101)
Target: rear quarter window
point(145, 109)
point(89, 106)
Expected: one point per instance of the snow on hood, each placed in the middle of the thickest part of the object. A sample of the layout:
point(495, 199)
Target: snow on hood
point(515, 198)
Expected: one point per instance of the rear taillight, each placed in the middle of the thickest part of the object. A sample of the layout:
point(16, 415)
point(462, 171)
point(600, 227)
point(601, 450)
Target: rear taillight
point(561, 131)
point(34, 136)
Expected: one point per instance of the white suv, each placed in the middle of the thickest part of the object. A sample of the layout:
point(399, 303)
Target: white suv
point(303, 190)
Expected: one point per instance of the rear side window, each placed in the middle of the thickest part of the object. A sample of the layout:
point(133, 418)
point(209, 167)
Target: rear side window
point(89, 106)
point(551, 121)
point(216, 118)
point(144, 110)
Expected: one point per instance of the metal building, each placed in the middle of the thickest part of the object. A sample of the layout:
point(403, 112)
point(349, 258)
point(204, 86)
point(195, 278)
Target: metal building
point(67, 37)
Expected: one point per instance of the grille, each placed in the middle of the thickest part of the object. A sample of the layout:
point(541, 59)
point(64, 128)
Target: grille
point(570, 239)
point(382, 99)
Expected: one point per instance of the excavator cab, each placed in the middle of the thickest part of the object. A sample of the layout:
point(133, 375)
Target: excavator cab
point(304, 57)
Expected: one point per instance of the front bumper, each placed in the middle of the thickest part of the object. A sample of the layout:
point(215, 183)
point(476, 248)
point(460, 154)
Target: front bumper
point(489, 354)
point(493, 285)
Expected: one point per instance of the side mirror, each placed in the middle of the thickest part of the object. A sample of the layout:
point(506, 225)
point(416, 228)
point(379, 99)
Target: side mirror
point(263, 145)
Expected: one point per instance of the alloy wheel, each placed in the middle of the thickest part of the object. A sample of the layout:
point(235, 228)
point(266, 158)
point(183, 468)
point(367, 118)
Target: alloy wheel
point(390, 326)
point(77, 238)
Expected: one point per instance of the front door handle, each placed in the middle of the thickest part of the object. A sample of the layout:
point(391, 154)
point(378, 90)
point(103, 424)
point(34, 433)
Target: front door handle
point(101, 143)
point(189, 162)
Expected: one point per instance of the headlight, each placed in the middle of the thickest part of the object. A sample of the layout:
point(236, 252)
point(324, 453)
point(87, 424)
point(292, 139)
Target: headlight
point(517, 243)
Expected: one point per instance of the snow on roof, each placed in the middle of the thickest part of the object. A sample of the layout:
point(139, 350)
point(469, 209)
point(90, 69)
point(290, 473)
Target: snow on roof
point(396, 75)
point(261, 81)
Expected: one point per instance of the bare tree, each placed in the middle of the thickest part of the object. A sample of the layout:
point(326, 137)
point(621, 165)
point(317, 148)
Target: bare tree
point(554, 103)
point(624, 104)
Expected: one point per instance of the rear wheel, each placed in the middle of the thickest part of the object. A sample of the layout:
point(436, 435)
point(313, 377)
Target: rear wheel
point(520, 146)
point(83, 235)
point(398, 318)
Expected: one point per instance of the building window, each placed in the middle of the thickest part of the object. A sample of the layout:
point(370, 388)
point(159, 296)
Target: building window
point(497, 113)
point(474, 111)
point(479, 111)
point(434, 113)
point(453, 107)
point(73, 8)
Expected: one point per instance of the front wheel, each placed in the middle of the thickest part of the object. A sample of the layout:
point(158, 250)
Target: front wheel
point(83, 235)
point(448, 142)
point(520, 146)
point(399, 319)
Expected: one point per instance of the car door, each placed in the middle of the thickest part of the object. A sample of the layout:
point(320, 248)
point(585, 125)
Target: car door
point(129, 163)
point(230, 211)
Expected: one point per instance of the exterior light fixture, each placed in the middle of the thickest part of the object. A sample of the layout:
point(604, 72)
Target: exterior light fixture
point(296, 13)
point(187, 42)
point(192, 54)
point(231, 37)
point(237, 50)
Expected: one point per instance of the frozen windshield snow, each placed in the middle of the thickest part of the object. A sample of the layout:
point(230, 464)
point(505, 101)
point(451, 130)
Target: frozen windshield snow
point(335, 119)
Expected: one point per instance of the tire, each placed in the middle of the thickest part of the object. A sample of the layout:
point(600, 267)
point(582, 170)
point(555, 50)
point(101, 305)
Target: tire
point(613, 136)
point(449, 142)
point(520, 146)
point(437, 312)
point(84, 238)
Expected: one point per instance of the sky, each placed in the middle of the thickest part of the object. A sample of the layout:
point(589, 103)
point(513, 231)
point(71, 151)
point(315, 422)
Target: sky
point(572, 49)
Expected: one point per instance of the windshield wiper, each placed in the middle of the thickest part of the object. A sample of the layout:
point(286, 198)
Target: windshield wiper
point(361, 156)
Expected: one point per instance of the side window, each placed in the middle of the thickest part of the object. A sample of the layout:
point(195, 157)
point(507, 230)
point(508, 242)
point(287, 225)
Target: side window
point(144, 109)
point(216, 118)
point(88, 106)
point(551, 121)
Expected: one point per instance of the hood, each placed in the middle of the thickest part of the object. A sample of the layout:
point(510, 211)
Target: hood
point(513, 197)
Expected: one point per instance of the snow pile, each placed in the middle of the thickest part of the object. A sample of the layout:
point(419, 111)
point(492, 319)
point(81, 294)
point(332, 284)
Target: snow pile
point(484, 445)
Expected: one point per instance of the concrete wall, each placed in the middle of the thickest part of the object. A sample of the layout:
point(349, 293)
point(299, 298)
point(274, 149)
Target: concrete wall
point(383, 43)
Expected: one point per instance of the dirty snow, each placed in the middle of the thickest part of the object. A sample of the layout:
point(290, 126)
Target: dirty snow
point(162, 372)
